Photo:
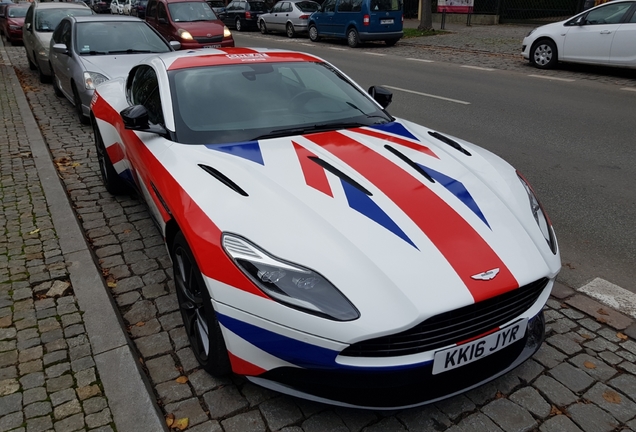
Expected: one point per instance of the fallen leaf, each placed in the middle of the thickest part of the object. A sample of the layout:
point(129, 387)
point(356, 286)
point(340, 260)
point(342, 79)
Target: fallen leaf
point(499, 395)
point(127, 231)
point(555, 411)
point(589, 365)
point(182, 379)
point(180, 424)
point(76, 164)
point(586, 336)
point(612, 397)
point(112, 284)
point(140, 324)
point(169, 420)
point(35, 231)
point(601, 320)
point(622, 336)
point(602, 311)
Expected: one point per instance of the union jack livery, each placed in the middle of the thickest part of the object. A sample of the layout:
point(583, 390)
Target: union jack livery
point(321, 247)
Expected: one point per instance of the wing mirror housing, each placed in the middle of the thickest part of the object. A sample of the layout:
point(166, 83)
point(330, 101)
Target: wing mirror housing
point(60, 48)
point(381, 95)
point(176, 45)
point(136, 118)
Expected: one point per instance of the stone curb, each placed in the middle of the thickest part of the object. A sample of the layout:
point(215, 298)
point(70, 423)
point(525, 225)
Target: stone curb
point(127, 388)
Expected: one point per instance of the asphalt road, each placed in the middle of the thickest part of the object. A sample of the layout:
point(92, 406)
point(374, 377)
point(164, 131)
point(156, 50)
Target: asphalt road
point(573, 139)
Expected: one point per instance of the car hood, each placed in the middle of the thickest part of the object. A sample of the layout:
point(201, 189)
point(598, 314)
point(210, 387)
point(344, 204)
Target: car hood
point(15, 21)
point(112, 66)
point(202, 28)
point(357, 207)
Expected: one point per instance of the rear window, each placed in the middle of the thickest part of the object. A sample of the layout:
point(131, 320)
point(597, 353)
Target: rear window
point(46, 20)
point(308, 6)
point(19, 12)
point(386, 5)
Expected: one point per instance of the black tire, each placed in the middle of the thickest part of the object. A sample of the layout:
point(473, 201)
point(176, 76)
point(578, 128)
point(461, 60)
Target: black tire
point(353, 40)
point(262, 27)
point(543, 54)
point(113, 183)
point(313, 33)
point(78, 107)
point(199, 318)
point(289, 29)
point(56, 89)
point(391, 42)
point(238, 25)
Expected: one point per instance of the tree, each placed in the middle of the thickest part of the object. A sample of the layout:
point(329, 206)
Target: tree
point(426, 16)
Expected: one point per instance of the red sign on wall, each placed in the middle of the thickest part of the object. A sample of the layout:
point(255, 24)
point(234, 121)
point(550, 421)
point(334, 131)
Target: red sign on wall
point(455, 6)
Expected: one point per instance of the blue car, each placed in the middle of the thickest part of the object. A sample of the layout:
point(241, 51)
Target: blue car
point(358, 21)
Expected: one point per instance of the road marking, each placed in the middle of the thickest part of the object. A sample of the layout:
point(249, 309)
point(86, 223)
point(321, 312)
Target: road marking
point(611, 295)
point(338, 49)
point(421, 60)
point(428, 95)
point(629, 89)
point(375, 54)
point(477, 67)
point(552, 78)
point(306, 44)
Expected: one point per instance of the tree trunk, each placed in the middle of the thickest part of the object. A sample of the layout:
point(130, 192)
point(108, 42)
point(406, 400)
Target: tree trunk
point(426, 17)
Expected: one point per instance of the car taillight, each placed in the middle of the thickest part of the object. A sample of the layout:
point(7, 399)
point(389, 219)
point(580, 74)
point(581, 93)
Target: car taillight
point(304, 17)
point(248, 15)
point(365, 20)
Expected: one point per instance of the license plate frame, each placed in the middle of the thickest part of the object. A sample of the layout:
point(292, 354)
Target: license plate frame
point(211, 46)
point(469, 352)
point(387, 21)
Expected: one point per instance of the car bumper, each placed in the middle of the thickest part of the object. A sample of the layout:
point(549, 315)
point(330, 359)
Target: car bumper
point(197, 45)
point(14, 35)
point(379, 36)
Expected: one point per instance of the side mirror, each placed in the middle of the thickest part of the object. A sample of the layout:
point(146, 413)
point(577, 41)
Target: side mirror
point(176, 45)
point(381, 95)
point(136, 118)
point(162, 21)
point(60, 48)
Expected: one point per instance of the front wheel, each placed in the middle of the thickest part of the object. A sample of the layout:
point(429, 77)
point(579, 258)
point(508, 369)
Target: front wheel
point(262, 27)
point(352, 38)
point(313, 33)
point(238, 25)
point(290, 30)
point(543, 54)
point(199, 318)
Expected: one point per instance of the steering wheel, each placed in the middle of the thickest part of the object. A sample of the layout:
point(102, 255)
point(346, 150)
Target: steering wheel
point(303, 97)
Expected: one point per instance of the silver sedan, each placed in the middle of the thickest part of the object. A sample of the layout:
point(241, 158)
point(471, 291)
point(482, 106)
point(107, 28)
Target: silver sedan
point(86, 51)
point(289, 16)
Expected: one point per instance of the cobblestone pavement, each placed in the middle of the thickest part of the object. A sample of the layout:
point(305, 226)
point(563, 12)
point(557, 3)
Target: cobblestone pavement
point(583, 377)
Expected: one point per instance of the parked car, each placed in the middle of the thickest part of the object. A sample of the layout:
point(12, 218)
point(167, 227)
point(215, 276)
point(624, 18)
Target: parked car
point(12, 21)
point(242, 14)
point(40, 22)
point(297, 211)
point(291, 17)
point(603, 35)
point(86, 51)
point(190, 22)
point(358, 21)
point(117, 7)
point(218, 6)
point(101, 6)
point(3, 6)
point(138, 8)
point(127, 7)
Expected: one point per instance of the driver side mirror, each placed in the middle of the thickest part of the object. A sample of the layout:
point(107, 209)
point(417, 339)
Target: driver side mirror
point(60, 48)
point(28, 27)
point(381, 95)
point(136, 118)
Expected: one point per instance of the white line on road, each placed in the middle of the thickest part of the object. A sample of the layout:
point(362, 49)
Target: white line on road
point(420, 60)
point(306, 44)
point(629, 89)
point(338, 49)
point(477, 67)
point(428, 95)
point(375, 54)
point(552, 78)
point(611, 295)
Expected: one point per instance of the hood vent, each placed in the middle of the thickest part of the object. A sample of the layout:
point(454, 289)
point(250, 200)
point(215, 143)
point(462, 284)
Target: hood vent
point(223, 179)
point(450, 142)
point(335, 171)
point(408, 161)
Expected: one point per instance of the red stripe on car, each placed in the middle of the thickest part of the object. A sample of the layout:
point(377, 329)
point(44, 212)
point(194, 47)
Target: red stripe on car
point(396, 140)
point(315, 175)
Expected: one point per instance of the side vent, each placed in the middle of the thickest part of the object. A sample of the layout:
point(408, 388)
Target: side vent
point(333, 170)
point(223, 179)
point(450, 142)
point(409, 162)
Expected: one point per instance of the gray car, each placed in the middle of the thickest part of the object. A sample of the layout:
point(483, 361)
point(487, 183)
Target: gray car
point(40, 22)
point(86, 51)
point(289, 16)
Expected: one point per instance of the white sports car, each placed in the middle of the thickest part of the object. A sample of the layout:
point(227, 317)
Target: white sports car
point(321, 247)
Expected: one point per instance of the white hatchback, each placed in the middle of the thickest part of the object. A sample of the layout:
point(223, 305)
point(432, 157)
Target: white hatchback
point(604, 35)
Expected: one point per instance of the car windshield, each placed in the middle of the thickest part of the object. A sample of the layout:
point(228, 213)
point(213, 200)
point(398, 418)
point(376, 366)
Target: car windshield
point(18, 12)
point(47, 19)
point(95, 38)
point(191, 11)
point(308, 6)
point(386, 5)
point(237, 103)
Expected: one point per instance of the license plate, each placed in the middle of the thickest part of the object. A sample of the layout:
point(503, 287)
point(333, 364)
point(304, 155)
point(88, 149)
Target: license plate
point(211, 46)
point(386, 21)
point(461, 355)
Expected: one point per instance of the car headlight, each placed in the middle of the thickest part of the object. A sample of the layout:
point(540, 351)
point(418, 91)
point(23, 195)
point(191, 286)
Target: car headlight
point(532, 31)
point(184, 34)
point(43, 52)
point(288, 283)
point(226, 32)
point(91, 79)
point(539, 214)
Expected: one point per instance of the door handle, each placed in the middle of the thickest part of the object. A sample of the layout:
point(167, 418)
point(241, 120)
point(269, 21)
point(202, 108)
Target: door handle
point(606, 32)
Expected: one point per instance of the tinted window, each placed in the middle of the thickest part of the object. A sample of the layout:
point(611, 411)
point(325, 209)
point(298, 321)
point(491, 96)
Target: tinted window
point(16, 12)
point(329, 6)
point(144, 90)
point(609, 14)
point(161, 11)
point(191, 11)
point(110, 37)
point(152, 9)
point(308, 6)
point(47, 20)
point(386, 5)
point(257, 6)
point(277, 7)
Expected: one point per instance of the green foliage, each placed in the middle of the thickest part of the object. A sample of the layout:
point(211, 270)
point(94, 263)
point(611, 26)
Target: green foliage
point(411, 33)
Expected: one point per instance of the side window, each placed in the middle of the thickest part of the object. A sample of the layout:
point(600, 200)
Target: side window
point(345, 6)
point(356, 5)
point(633, 20)
point(29, 17)
point(66, 34)
point(288, 7)
point(57, 34)
point(161, 11)
point(329, 6)
point(144, 90)
point(152, 9)
point(276, 7)
point(230, 6)
point(609, 14)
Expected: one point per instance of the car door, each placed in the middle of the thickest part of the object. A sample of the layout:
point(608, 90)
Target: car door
point(623, 51)
point(590, 40)
point(27, 33)
point(272, 21)
point(324, 18)
point(63, 63)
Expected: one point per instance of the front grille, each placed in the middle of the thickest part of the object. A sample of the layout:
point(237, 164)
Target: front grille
point(203, 40)
point(452, 327)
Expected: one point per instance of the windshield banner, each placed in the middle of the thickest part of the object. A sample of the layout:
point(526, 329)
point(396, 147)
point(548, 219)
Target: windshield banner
point(455, 6)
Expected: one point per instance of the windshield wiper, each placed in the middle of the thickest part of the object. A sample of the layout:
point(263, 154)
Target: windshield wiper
point(309, 129)
point(130, 51)
point(95, 53)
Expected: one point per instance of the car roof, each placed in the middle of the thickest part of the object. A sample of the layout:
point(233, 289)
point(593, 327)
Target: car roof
point(60, 5)
point(184, 1)
point(230, 56)
point(105, 18)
